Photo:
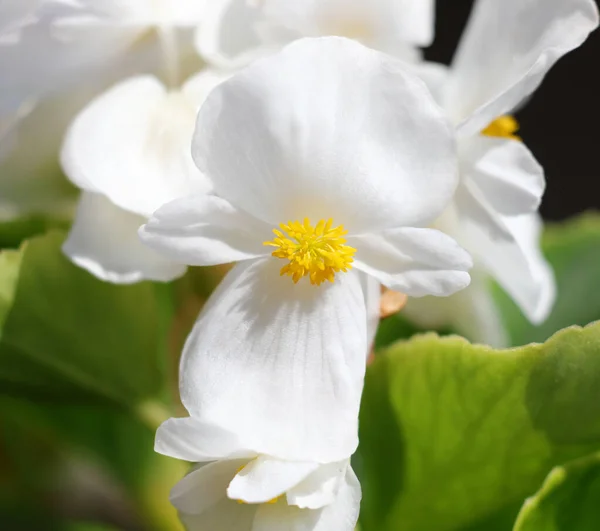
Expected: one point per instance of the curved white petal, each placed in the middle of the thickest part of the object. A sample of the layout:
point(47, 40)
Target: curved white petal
point(192, 440)
point(205, 486)
point(205, 230)
point(507, 49)
point(372, 290)
point(319, 488)
point(278, 363)
point(416, 262)
point(372, 21)
point(472, 313)
point(132, 144)
point(328, 129)
point(435, 76)
point(265, 479)
point(229, 36)
point(341, 515)
point(509, 248)
point(104, 240)
point(225, 515)
point(505, 172)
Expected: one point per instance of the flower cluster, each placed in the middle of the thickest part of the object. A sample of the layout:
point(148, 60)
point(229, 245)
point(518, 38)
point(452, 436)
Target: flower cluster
point(323, 156)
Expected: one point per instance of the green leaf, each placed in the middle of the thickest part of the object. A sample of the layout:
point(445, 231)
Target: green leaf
point(455, 436)
point(573, 250)
point(568, 500)
point(65, 334)
point(14, 232)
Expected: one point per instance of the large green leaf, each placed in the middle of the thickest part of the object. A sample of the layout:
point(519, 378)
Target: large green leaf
point(573, 250)
point(568, 501)
point(456, 436)
point(65, 334)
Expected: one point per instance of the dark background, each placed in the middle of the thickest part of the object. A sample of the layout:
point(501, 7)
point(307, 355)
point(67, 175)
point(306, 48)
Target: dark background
point(561, 123)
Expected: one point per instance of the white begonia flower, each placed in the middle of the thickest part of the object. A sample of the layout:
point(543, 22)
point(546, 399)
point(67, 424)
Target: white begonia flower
point(507, 49)
point(235, 487)
point(234, 32)
point(343, 155)
point(56, 55)
point(129, 151)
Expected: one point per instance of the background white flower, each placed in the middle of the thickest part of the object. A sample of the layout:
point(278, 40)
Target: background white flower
point(235, 32)
point(503, 56)
point(235, 487)
point(326, 129)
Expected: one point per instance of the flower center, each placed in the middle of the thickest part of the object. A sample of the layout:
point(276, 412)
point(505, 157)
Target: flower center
point(317, 252)
point(504, 127)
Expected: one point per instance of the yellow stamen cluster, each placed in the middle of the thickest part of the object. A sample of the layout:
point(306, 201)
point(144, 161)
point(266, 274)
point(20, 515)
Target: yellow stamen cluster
point(503, 127)
point(317, 252)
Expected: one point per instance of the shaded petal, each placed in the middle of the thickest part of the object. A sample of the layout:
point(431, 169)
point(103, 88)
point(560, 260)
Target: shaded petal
point(205, 486)
point(132, 144)
point(104, 241)
point(417, 262)
point(225, 515)
point(319, 488)
point(190, 439)
point(341, 515)
point(278, 363)
point(328, 129)
point(505, 172)
point(205, 230)
point(265, 479)
point(506, 50)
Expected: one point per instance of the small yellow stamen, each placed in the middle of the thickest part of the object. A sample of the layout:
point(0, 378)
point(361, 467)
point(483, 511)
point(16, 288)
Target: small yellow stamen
point(317, 252)
point(504, 127)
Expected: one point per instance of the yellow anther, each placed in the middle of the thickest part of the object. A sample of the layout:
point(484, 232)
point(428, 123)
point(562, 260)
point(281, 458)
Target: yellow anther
point(317, 252)
point(504, 127)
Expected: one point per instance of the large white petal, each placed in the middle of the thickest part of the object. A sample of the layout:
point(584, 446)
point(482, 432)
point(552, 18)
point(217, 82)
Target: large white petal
point(265, 479)
point(509, 248)
point(229, 36)
point(507, 49)
point(192, 440)
point(373, 21)
point(341, 515)
point(205, 230)
point(132, 144)
point(505, 172)
point(225, 515)
point(104, 240)
point(278, 363)
point(417, 262)
point(205, 486)
point(328, 129)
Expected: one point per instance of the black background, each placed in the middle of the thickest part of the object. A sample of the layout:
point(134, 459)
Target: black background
point(560, 124)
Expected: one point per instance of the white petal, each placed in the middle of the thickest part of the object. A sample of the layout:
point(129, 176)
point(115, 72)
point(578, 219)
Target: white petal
point(226, 515)
point(104, 240)
point(507, 49)
point(417, 262)
point(192, 440)
point(265, 479)
point(435, 76)
point(320, 488)
point(407, 21)
point(505, 172)
point(132, 144)
point(280, 364)
point(205, 230)
point(328, 129)
point(372, 290)
point(509, 248)
point(198, 87)
point(205, 486)
point(229, 35)
point(472, 312)
point(341, 515)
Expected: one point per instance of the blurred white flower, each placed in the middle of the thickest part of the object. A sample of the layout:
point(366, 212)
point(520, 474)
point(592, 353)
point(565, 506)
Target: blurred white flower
point(235, 32)
point(507, 49)
point(55, 55)
point(236, 487)
point(325, 130)
point(130, 151)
